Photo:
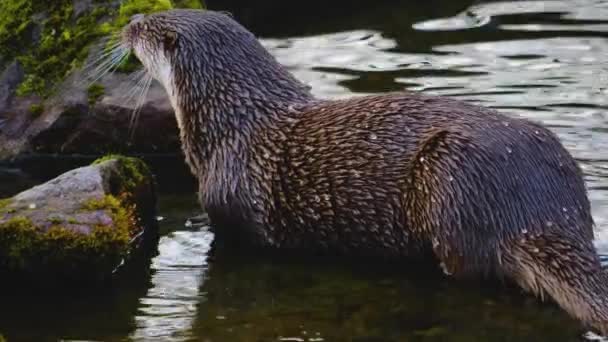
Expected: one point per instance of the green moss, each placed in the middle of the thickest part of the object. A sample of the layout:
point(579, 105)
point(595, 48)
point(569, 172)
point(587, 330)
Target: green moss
point(132, 171)
point(55, 220)
point(129, 8)
point(62, 46)
point(5, 203)
point(15, 26)
point(4, 209)
point(189, 4)
point(64, 38)
point(95, 91)
point(36, 109)
point(122, 212)
point(106, 202)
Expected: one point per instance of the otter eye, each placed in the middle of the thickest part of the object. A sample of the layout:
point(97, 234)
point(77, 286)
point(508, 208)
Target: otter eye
point(170, 38)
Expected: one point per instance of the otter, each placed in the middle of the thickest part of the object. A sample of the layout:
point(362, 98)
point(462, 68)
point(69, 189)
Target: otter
point(395, 175)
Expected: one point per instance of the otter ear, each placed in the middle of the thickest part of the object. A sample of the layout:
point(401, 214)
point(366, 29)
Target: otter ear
point(170, 39)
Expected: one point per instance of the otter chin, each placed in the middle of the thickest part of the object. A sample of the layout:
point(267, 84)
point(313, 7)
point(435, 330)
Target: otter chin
point(397, 175)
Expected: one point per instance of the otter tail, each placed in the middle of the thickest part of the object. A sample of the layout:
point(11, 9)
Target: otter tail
point(566, 269)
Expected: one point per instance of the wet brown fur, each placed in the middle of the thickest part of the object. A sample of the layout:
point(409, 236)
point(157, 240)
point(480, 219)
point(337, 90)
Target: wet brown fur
point(390, 175)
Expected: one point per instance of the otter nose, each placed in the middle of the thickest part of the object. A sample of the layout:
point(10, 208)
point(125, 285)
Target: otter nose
point(136, 18)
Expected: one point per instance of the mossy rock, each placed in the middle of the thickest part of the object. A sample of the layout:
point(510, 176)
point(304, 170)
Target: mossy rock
point(83, 224)
point(50, 39)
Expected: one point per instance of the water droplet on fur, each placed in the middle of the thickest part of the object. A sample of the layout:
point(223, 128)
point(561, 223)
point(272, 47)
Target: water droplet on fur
point(564, 209)
point(445, 269)
point(422, 159)
point(549, 224)
point(255, 202)
point(426, 168)
point(373, 136)
point(524, 231)
point(506, 124)
point(537, 132)
point(451, 179)
point(509, 150)
point(536, 250)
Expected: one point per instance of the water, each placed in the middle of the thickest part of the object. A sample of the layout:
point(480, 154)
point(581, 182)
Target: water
point(543, 60)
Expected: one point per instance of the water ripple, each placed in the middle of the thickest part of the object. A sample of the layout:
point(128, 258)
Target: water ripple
point(168, 310)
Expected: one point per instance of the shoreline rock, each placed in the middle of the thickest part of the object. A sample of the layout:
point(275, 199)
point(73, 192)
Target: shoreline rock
point(81, 225)
point(48, 103)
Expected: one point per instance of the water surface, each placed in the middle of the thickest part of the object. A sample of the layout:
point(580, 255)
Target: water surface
point(543, 60)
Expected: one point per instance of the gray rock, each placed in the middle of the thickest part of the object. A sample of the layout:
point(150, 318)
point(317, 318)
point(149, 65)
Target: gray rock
point(70, 125)
point(9, 80)
point(82, 224)
point(81, 7)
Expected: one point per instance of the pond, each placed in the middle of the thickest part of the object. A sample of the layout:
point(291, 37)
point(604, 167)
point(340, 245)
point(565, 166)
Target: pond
point(543, 60)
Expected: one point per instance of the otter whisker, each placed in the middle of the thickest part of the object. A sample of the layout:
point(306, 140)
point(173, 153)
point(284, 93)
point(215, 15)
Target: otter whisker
point(116, 56)
point(106, 67)
point(136, 81)
point(102, 51)
point(109, 58)
point(102, 56)
point(137, 87)
point(139, 105)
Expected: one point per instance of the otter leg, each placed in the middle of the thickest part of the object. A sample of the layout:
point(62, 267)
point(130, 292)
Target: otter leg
point(437, 205)
point(522, 213)
point(564, 267)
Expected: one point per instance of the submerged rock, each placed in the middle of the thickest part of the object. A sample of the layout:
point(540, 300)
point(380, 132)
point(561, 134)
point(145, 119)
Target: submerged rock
point(82, 224)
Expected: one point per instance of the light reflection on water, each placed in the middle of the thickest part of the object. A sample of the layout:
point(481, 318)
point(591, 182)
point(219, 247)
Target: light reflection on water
point(167, 311)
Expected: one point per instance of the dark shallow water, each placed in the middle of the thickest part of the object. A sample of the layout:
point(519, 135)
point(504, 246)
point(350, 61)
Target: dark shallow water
point(544, 60)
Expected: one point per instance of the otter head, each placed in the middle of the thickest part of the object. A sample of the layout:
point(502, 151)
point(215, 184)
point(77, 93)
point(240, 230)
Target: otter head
point(153, 40)
point(205, 58)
